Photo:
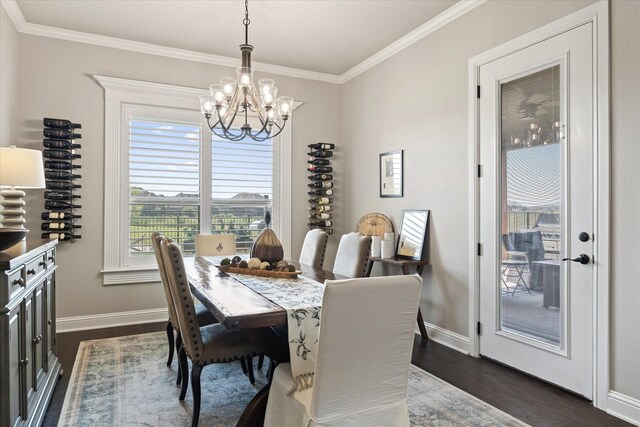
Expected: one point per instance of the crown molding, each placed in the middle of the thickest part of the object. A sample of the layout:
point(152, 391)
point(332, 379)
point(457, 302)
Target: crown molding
point(14, 12)
point(449, 15)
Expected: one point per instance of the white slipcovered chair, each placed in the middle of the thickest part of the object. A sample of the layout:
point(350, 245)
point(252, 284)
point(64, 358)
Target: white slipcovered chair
point(363, 358)
point(314, 248)
point(352, 257)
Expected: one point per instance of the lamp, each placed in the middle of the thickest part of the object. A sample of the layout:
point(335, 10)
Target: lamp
point(19, 168)
point(239, 97)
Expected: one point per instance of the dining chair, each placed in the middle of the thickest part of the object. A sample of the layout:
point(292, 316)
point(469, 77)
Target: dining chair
point(204, 316)
point(314, 248)
point(210, 344)
point(215, 244)
point(363, 359)
point(224, 245)
point(352, 257)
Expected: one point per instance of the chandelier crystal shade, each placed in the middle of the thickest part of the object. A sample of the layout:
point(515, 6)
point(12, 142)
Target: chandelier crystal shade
point(239, 97)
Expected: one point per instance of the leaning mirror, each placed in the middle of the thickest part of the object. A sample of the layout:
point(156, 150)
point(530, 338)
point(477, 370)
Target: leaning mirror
point(413, 234)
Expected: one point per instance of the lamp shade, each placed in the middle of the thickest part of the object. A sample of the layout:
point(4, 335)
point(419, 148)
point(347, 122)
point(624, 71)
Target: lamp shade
point(21, 168)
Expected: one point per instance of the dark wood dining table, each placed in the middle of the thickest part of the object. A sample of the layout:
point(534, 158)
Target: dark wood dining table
point(237, 307)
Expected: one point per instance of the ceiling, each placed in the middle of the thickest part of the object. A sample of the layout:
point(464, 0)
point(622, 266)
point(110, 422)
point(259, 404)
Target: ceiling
point(325, 36)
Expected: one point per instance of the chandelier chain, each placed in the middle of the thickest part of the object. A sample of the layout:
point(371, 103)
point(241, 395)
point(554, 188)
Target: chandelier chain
point(246, 21)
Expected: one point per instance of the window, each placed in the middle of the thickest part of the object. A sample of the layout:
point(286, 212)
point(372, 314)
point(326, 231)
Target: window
point(166, 171)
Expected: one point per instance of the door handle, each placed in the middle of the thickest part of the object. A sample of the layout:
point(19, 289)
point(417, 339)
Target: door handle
point(582, 259)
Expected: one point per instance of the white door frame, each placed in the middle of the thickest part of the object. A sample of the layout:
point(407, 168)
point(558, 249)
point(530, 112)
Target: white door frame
point(598, 14)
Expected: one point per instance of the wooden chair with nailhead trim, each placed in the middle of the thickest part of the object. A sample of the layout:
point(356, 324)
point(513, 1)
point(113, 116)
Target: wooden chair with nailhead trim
point(206, 345)
point(204, 316)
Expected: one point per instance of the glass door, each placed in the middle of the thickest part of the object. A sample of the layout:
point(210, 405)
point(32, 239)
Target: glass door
point(536, 206)
point(532, 168)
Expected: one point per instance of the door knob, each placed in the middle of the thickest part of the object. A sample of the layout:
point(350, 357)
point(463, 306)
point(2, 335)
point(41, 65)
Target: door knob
point(582, 259)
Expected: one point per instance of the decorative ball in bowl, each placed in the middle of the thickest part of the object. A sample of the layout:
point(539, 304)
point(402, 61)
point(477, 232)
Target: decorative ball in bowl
point(11, 236)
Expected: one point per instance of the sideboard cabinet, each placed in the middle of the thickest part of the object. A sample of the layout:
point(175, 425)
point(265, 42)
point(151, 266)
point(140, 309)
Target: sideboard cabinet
point(29, 367)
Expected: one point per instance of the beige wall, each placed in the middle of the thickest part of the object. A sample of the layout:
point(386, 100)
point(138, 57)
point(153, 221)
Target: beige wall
point(56, 81)
point(625, 212)
point(9, 46)
point(417, 101)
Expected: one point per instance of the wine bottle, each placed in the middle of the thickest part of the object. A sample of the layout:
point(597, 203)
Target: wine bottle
point(321, 184)
point(60, 134)
point(60, 236)
point(320, 208)
point(321, 177)
point(59, 226)
point(60, 154)
point(319, 169)
point(59, 216)
point(60, 175)
point(56, 205)
point(321, 223)
point(60, 144)
point(321, 153)
point(60, 124)
point(320, 200)
point(56, 195)
point(328, 192)
point(322, 146)
point(318, 162)
point(61, 185)
point(321, 215)
point(60, 165)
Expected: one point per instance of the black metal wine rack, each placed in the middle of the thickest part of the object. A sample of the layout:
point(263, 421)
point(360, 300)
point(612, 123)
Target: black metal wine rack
point(321, 190)
point(62, 179)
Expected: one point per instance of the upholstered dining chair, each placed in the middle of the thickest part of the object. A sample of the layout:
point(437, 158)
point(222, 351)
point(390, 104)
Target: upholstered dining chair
point(314, 248)
point(215, 244)
point(353, 255)
point(363, 359)
point(204, 316)
point(205, 345)
point(224, 245)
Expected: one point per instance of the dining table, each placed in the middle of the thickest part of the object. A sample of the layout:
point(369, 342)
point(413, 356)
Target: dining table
point(236, 305)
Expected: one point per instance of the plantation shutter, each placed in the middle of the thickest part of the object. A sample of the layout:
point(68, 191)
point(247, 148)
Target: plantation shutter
point(241, 188)
point(164, 183)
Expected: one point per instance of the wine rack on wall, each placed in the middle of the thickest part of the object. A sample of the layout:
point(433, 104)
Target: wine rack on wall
point(321, 186)
point(60, 163)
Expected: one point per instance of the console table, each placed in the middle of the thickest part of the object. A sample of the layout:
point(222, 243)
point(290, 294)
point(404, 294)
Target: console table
point(29, 367)
point(404, 264)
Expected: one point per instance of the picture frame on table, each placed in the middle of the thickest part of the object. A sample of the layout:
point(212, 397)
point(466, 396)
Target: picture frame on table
point(414, 234)
point(391, 166)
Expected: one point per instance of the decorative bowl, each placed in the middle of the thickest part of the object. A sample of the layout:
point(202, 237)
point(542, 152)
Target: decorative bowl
point(11, 236)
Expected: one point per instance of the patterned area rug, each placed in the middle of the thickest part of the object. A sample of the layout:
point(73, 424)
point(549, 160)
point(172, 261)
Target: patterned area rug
point(124, 381)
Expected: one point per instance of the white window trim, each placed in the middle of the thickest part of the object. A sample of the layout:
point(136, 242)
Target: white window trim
point(118, 93)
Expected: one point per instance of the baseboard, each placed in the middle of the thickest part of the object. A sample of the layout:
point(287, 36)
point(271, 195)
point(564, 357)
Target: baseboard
point(109, 320)
point(448, 338)
point(624, 407)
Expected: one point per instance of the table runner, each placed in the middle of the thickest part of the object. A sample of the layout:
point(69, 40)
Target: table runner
point(302, 299)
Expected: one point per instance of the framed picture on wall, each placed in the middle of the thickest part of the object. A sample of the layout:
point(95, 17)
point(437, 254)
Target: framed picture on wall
point(391, 180)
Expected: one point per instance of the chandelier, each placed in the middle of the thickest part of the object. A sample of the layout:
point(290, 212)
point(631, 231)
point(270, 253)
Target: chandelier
point(233, 99)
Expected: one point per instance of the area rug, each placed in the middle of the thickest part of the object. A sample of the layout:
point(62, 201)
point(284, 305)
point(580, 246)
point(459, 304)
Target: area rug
point(125, 381)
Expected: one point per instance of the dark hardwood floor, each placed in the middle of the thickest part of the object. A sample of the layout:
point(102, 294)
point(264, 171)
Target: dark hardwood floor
point(528, 399)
